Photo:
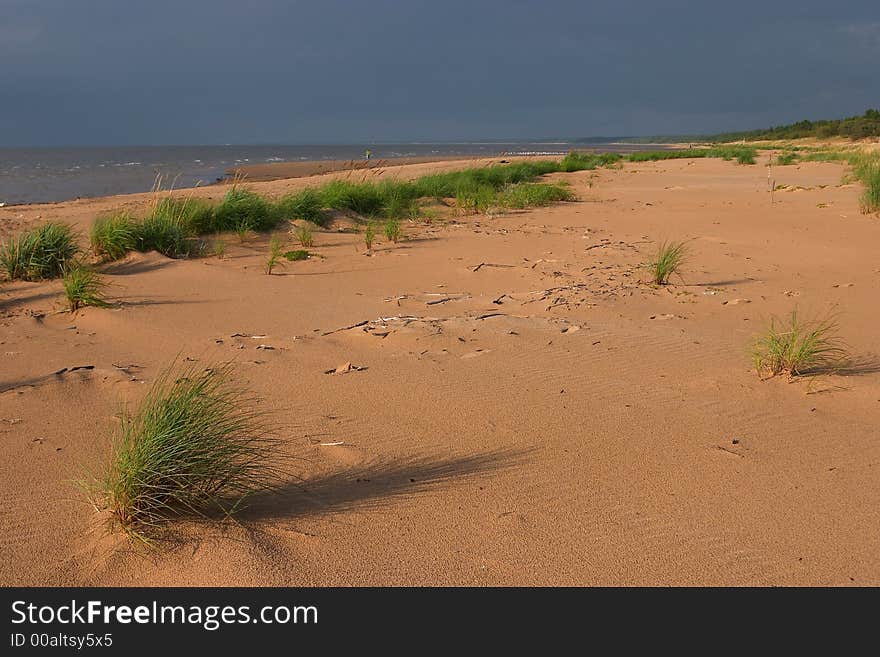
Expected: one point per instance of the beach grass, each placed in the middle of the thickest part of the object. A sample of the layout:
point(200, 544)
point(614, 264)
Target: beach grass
point(365, 199)
point(166, 234)
point(669, 259)
point(867, 170)
point(304, 236)
point(112, 237)
point(40, 253)
point(243, 206)
point(392, 230)
point(84, 287)
point(195, 446)
point(742, 154)
point(276, 250)
point(531, 195)
point(369, 236)
point(306, 204)
point(174, 222)
point(797, 347)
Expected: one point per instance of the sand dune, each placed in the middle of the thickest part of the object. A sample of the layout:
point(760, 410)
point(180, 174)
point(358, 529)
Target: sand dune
point(529, 410)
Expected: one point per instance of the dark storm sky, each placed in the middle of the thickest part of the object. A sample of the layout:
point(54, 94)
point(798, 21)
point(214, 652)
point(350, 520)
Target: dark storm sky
point(221, 71)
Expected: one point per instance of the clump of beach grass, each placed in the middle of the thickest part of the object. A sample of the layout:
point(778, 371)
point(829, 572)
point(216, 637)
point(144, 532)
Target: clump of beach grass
point(305, 237)
point(369, 236)
point(113, 236)
point(242, 206)
point(670, 257)
point(84, 287)
point(41, 253)
point(306, 204)
point(195, 446)
point(276, 251)
point(167, 234)
point(392, 230)
point(799, 347)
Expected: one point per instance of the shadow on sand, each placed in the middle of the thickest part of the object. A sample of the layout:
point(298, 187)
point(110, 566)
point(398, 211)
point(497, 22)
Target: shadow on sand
point(370, 485)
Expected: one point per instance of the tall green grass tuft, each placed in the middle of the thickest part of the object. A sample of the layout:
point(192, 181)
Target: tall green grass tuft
point(365, 199)
point(113, 236)
point(84, 287)
point(669, 259)
point(369, 236)
point(796, 347)
point(195, 446)
point(37, 254)
point(167, 235)
point(392, 230)
point(306, 205)
point(276, 251)
point(242, 206)
point(868, 171)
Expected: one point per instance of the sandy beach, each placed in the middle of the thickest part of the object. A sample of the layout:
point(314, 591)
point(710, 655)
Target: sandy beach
point(521, 406)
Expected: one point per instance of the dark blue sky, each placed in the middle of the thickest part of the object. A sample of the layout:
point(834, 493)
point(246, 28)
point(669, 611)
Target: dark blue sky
point(287, 71)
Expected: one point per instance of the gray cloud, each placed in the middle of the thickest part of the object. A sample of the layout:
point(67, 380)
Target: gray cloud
point(104, 71)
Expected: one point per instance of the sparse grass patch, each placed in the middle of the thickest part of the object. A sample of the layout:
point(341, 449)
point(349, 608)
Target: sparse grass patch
point(114, 236)
point(369, 236)
point(83, 287)
point(742, 154)
point(796, 347)
point(669, 259)
point(392, 230)
point(304, 236)
point(785, 158)
point(218, 247)
point(37, 254)
point(195, 446)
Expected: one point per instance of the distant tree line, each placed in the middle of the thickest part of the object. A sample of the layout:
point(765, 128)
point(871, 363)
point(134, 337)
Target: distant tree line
point(854, 127)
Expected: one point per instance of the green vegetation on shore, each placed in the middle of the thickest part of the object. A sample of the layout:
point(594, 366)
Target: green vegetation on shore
point(40, 253)
point(865, 168)
point(853, 127)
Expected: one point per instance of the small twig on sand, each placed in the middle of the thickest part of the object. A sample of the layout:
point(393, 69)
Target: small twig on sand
point(346, 328)
point(490, 264)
